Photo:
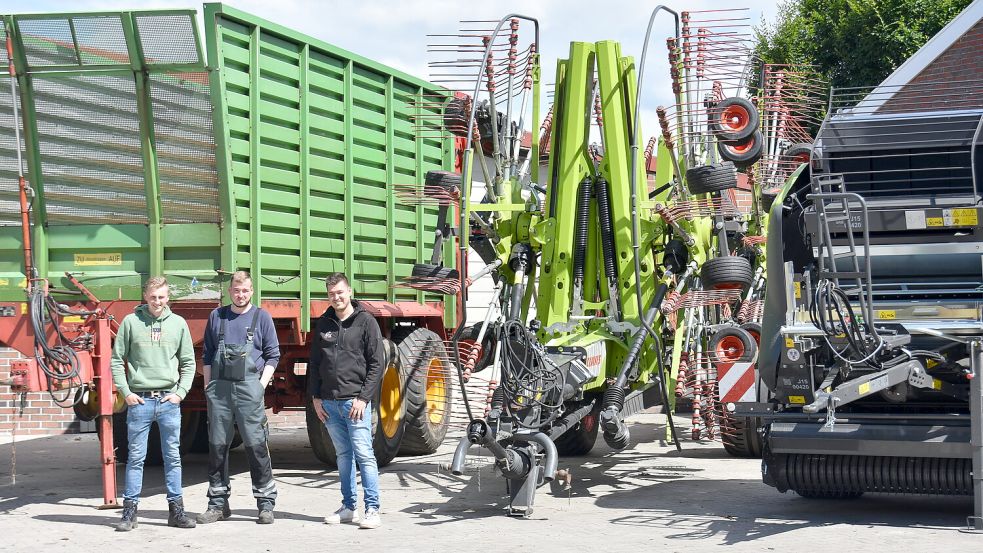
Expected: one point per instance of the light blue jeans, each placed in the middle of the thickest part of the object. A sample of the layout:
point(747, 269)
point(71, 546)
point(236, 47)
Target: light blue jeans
point(138, 421)
point(353, 443)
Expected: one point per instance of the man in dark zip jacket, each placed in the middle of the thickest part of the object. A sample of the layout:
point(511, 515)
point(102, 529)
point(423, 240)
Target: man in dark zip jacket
point(343, 374)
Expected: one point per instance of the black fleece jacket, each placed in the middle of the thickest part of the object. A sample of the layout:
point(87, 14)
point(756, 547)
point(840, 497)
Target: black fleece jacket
point(346, 356)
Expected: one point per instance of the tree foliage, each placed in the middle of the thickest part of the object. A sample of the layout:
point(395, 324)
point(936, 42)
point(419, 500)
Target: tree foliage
point(852, 42)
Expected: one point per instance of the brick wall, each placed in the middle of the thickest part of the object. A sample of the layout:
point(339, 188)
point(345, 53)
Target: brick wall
point(938, 86)
point(40, 416)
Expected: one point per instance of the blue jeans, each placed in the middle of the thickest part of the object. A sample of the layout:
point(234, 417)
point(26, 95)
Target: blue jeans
point(138, 420)
point(353, 442)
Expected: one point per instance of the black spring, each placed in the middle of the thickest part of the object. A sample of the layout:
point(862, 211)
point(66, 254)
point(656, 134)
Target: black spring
point(614, 397)
point(607, 228)
point(580, 231)
point(844, 475)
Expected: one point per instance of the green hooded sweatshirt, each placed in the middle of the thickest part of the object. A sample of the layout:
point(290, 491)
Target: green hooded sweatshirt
point(159, 352)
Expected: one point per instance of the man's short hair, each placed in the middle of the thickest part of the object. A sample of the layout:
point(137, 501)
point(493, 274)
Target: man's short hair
point(334, 279)
point(240, 277)
point(154, 283)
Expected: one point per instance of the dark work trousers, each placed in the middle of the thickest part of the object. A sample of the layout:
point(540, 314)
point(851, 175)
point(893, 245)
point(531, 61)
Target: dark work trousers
point(241, 403)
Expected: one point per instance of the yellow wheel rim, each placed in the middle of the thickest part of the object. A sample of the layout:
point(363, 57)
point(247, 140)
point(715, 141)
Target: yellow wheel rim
point(390, 402)
point(436, 391)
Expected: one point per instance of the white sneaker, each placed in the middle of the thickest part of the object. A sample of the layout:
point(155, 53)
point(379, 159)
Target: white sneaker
point(343, 514)
point(371, 519)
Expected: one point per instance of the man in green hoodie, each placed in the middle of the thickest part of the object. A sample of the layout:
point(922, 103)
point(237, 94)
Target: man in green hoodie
point(157, 348)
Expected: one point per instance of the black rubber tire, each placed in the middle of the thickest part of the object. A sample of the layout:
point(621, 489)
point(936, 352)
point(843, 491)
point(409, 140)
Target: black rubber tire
point(711, 178)
point(824, 494)
point(727, 272)
point(419, 348)
point(427, 270)
point(743, 153)
point(470, 335)
point(790, 154)
point(741, 436)
point(580, 439)
point(121, 441)
point(321, 443)
point(194, 432)
point(387, 447)
point(754, 329)
point(727, 132)
point(749, 348)
point(456, 117)
point(448, 180)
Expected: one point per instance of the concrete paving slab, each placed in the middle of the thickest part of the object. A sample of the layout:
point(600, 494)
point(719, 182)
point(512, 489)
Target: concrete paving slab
point(649, 496)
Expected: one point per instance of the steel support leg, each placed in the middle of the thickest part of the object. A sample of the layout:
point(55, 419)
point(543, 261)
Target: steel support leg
point(104, 386)
point(976, 439)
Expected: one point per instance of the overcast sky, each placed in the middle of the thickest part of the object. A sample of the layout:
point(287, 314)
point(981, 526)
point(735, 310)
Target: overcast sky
point(394, 32)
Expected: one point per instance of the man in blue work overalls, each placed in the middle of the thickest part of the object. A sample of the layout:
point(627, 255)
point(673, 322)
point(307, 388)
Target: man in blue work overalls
point(241, 352)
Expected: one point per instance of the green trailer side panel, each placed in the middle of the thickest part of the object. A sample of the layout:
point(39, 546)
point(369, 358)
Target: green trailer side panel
point(316, 137)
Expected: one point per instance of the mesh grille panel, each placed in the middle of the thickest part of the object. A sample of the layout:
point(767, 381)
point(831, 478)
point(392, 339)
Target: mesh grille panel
point(167, 38)
point(101, 40)
point(9, 193)
point(185, 148)
point(47, 42)
point(89, 139)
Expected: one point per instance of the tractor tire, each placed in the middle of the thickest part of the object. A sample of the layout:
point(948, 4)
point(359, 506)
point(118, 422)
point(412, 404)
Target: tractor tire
point(427, 391)
point(121, 441)
point(733, 345)
point(469, 338)
point(194, 432)
point(456, 117)
point(321, 443)
point(580, 439)
point(728, 272)
point(743, 153)
point(447, 180)
point(711, 178)
point(389, 409)
point(733, 119)
point(388, 413)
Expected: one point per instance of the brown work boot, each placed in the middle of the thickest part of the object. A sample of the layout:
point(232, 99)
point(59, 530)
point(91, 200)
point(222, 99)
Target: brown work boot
point(129, 521)
point(177, 517)
point(213, 514)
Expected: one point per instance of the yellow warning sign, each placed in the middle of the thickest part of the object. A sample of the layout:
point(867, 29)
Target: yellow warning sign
point(936, 384)
point(930, 363)
point(934, 221)
point(798, 290)
point(93, 259)
point(72, 319)
point(23, 309)
point(965, 217)
point(789, 343)
point(887, 314)
point(796, 399)
point(864, 388)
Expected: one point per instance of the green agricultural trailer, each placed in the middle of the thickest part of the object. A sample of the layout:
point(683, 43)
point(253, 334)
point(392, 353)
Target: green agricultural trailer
point(130, 148)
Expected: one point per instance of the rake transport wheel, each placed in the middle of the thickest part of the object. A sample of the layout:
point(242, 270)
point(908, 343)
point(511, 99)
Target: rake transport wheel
point(711, 178)
point(727, 273)
point(742, 152)
point(469, 340)
point(740, 436)
point(456, 116)
point(797, 153)
point(733, 119)
point(426, 391)
point(388, 413)
point(447, 180)
point(580, 439)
